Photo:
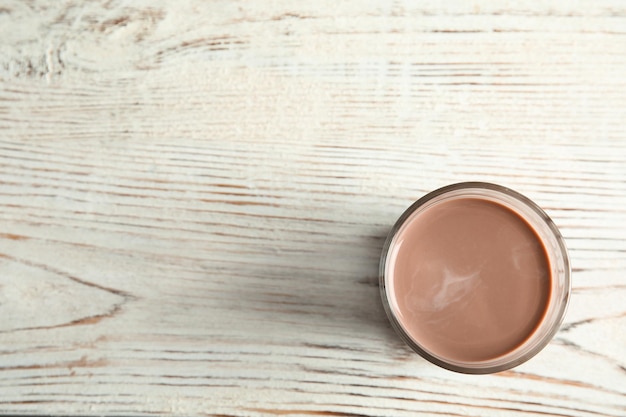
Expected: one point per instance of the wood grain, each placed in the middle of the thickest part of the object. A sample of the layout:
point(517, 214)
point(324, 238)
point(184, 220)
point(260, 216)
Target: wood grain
point(194, 196)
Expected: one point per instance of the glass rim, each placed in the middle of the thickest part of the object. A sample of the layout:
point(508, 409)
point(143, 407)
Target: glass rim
point(488, 366)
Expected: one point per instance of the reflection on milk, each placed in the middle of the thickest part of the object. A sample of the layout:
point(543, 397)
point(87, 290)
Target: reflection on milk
point(452, 287)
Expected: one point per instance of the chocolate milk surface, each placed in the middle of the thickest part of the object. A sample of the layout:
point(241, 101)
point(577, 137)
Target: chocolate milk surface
point(470, 279)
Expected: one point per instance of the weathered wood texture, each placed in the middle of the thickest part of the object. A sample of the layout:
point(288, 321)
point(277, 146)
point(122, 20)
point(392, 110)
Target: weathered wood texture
point(194, 195)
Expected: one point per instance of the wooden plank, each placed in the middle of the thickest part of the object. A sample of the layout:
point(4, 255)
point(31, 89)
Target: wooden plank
point(194, 197)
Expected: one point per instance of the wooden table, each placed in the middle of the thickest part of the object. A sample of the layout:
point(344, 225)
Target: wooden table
point(194, 196)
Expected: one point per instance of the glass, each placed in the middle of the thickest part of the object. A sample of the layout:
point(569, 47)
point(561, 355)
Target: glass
point(557, 256)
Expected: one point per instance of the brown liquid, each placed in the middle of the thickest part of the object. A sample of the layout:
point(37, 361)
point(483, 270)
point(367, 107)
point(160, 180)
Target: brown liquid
point(469, 279)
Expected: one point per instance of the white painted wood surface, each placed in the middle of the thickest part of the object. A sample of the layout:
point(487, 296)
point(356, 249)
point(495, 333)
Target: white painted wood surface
point(194, 195)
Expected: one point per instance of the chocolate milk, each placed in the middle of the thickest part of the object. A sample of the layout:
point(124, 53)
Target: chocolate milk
point(469, 279)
